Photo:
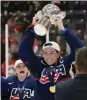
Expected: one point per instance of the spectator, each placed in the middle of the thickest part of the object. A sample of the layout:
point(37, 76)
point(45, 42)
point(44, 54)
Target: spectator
point(50, 68)
point(22, 85)
point(13, 45)
point(11, 71)
point(62, 43)
point(76, 88)
point(11, 63)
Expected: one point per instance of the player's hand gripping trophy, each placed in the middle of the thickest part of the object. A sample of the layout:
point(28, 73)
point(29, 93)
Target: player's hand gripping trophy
point(47, 17)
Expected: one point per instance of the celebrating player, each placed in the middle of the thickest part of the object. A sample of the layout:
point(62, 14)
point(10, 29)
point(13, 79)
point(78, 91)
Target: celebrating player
point(50, 68)
point(22, 86)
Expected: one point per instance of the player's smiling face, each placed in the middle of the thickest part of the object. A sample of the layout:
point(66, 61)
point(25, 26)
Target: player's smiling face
point(21, 70)
point(50, 55)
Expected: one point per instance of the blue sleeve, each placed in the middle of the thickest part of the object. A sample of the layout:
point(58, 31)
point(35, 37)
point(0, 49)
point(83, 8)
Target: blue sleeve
point(26, 53)
point(10, 79)
point(4, 89)
point(30, 83)
point(36, 96)
point(74, 43)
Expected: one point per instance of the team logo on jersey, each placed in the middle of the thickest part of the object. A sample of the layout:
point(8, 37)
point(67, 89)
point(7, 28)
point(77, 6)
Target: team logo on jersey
point(59, 70)
point(22, 93)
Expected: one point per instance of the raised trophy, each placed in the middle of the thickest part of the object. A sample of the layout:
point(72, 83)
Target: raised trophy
point(47, 17)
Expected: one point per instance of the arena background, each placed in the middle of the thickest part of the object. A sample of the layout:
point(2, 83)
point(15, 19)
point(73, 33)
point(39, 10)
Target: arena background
point(18, 15)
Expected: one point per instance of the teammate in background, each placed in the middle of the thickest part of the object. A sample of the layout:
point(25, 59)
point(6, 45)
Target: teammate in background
point(76, 88)
point(4, 89)
point(50, 68)
point(22, 86)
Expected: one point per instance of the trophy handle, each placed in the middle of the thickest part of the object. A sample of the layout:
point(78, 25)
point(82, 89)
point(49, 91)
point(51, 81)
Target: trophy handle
point(58, 17)
point(62, 15)
point(39, 14)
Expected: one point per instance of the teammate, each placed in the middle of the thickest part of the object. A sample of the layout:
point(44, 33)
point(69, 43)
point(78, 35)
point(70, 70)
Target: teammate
point(50, 68)
point(22, 86)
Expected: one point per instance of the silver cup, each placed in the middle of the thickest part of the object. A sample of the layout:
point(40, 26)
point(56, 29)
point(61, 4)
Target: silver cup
point(47, 17)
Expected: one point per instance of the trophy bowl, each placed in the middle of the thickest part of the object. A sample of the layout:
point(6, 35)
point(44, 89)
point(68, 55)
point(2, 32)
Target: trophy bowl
point(40, 30)
point(47, 17)
point(43, 26)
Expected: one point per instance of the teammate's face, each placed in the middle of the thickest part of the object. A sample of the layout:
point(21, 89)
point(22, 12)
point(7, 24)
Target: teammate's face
point(50, 55)
point(21, 70)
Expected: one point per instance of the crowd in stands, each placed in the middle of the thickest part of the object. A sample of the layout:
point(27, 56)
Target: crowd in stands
point(18, 19)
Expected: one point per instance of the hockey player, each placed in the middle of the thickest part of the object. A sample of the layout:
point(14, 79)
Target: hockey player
point(22, 86)
point(50, 68)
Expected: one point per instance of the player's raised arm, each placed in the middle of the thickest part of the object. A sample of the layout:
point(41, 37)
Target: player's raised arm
point(73, 41)
point(26, 47)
